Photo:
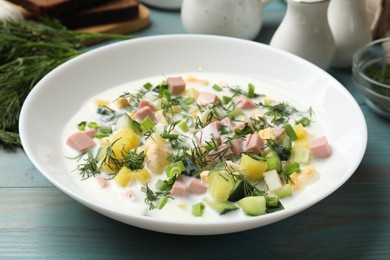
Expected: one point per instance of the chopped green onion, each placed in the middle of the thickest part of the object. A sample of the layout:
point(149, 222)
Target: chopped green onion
point(105, 129)
point(235, 112)
point(136, 126)
point(169, 136)
point(217, 88)
point(287, 144)
point(162, 201)
point(183, 126)
point(147, 124)
point(290, 132)
point(189, 101)
point(148, 86)
point(81, 126)
point(251, 91)
point(198, 209)
point(93, 125)
point(303, 121)
point(101, 135)
point(174, 169)
point(162, 185)
point(226, 100)
point(294, 167)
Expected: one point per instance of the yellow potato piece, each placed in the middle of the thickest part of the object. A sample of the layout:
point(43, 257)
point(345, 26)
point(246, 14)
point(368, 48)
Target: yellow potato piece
point(123, 141)
point(124, 177)
point(252, 169)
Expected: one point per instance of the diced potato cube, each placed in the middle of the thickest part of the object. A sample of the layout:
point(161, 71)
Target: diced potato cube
point(252, 169)
point(142, 175)
point(191, 92)
point(300, 131)
point(124, 177)
point(123, 141)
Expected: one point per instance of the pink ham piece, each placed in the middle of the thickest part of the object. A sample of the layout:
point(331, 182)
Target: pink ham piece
point(145, 103)
point(278, 132)
point(90, 132)
point(80, 141)
point(253, 143)
point(196, 186)
point(227, 122)
point(179, 189)
point(188, 185)
point(205, 98)
point(143, 112)
point(209, 132)
point(223, 153)
point(176, 85)
point(320, 148)
point(236, 146)
point(244, 102)
point(102, 182)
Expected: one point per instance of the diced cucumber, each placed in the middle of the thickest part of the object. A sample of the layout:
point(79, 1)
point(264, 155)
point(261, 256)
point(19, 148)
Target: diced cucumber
point(123, 121)
point(273, 162)
point(221, 207)
point(284, 191)
point(238, 191)
point(300, 155)
point(273, 204)
point(253, 206)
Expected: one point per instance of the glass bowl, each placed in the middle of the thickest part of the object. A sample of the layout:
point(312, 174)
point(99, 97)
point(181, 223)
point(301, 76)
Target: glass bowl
point(371, 74)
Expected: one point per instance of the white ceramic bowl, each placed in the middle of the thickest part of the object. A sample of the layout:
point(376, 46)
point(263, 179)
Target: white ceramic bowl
point(57, 97)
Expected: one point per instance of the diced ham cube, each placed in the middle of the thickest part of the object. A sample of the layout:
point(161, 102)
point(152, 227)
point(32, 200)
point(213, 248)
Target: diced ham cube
point(227, 122)
point(253, 143)
point(240, 125)
point(320, 148)
point(278, 132)
point(80, 141)
point(223, 153)
point(102, 182)
point(179, 188)
point(128, 194)
point(209, 132)
point(244, 102)
point(176, 85)
point(143, 112)
point(145, 103)
point(205, 98)
point(236, 146)
point(196, 186)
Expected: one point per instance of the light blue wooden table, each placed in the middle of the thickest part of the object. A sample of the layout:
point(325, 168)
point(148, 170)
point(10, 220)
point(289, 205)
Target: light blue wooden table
point(39, 221)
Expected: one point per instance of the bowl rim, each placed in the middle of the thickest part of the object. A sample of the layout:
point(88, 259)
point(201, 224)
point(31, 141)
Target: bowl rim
point(356, 61)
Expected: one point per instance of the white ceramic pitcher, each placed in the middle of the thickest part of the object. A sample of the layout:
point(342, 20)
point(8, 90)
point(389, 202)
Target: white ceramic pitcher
point(236, 18)
point(305, 32)
point(349, 24)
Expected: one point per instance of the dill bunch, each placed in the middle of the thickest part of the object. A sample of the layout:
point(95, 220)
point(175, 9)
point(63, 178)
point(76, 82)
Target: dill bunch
point(28, 51)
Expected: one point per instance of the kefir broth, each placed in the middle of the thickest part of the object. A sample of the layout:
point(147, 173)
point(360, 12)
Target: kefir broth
point(114, 197)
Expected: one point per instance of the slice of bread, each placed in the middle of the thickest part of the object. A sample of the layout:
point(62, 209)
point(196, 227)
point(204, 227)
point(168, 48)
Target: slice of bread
point(110, 12)
point(56, 7)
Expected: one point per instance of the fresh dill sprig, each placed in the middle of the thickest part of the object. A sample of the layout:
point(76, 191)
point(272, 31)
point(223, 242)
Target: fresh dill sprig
point(90, 167)
point(152, 197)
point(134, 160)
point(28, 51)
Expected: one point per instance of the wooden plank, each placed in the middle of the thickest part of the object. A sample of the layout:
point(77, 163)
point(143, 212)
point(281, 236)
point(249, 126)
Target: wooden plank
point(45, 223)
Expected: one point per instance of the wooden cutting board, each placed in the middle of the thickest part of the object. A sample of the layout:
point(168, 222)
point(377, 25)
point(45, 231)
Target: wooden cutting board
point(124, 27)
